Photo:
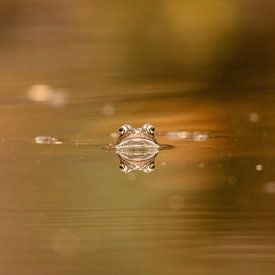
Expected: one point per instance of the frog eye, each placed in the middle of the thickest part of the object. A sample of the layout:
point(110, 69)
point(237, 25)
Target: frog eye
point(124, 128)
point(123, 168)
point(149, 128)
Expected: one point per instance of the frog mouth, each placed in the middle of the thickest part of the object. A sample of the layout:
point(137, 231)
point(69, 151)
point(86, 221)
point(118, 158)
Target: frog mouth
point(137, 143)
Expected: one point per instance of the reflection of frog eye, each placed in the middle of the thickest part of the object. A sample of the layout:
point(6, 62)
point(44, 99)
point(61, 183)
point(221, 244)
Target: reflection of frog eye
point(150, 168)
point(149, 128)
point(124, 128)
point(123, 167)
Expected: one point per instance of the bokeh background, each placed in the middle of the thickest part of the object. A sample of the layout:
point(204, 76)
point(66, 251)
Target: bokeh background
point(203, 72)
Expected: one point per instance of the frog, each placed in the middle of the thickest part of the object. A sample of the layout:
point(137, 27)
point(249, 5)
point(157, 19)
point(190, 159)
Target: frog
point(137, 148)
point(137, 138)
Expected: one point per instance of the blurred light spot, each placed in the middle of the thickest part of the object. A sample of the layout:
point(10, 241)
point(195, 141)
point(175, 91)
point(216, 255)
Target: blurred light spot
point(163, 163)
point(176, 202)
point(232, 180)
point(198, 136)
point(270, 187)
point(59, 98)
point(47, 140)
point(178, 135)
point(259, 167)
point(40, 93)
point(253, 117)
point(45, 94)
point(108, 110)
point(114, 135)
point(65, 242)
point(201, 165)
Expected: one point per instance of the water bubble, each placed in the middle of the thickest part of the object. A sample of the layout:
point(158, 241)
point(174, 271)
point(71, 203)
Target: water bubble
point(259, 167)
point(199, 136)
point(253, 117)
point(47, 140)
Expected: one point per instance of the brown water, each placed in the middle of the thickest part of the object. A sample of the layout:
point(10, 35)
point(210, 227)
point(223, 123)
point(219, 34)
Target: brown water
point(76, 72)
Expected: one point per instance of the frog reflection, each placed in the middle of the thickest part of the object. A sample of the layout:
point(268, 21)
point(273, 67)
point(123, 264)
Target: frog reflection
point(137, 148)
point(146, 165)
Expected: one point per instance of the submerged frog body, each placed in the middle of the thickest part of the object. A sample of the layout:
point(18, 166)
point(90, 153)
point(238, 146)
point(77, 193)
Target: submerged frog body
point(137, 148)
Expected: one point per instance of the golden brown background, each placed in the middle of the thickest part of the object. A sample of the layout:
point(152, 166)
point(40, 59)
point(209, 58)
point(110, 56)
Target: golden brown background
point(76, 71)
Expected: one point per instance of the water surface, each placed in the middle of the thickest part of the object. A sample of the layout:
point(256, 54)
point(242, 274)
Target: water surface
point(208, 208)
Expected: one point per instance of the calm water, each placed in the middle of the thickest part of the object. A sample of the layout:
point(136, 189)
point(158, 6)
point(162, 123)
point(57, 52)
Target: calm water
point(209, 206)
